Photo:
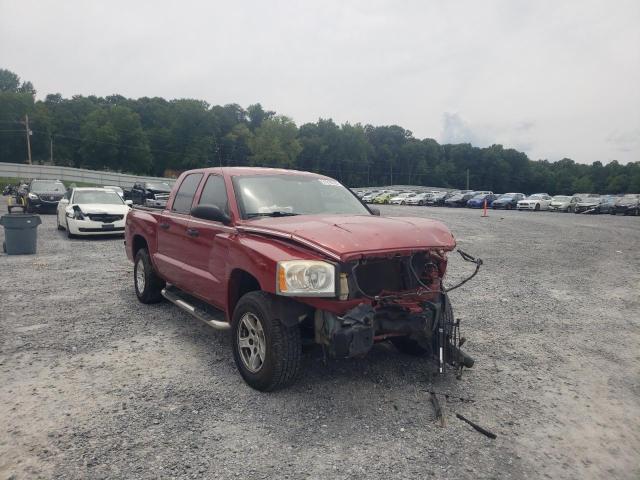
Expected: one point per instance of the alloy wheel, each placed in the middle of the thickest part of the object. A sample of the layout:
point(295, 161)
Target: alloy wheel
point(140, 278)
point(251, 342)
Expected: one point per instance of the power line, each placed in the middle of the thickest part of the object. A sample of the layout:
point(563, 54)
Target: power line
point(84, 140)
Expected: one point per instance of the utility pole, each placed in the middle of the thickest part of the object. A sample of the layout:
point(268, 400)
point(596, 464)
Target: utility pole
point(467, 179)
point(26, 125)
point(51, 149)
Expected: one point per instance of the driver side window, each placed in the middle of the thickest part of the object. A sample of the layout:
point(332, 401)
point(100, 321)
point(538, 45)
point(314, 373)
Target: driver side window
point(215, 193)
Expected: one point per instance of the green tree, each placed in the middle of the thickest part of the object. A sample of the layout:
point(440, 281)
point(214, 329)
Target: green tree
point(583, 184)
point(9, 81)
point(275, 143)
point(112, 138)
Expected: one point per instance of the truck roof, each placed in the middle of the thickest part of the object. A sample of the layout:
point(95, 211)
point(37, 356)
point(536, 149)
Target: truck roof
point(255, 171)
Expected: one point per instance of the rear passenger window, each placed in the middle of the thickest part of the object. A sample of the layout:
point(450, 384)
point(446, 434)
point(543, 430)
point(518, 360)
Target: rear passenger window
point(215, 193)
point(184, 197)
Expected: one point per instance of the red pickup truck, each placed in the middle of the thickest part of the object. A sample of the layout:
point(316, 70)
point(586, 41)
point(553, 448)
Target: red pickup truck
point(282, 258)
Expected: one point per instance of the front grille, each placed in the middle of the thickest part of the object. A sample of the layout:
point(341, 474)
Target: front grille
point(88, 230)
point(376, 276)
point(50, 198)
point(104, 217)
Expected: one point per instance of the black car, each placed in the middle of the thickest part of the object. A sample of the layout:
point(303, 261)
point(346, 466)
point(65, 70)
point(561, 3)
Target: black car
point(459, 200)
point(627, 205)
point(588, 205)
point(41, 195)
point(150, 194)
point(10, 190)
point(507, 201)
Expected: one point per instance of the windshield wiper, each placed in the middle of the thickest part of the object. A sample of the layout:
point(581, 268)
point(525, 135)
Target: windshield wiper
point(271, 214)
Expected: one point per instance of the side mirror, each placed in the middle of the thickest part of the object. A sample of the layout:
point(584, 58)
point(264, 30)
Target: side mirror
point(210, 212)
point(129, 203)
point(374, 211)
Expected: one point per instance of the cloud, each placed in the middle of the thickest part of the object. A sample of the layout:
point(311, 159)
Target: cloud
point(627, 141)
point(518, 135)
point(456, 130)
point(552, 77)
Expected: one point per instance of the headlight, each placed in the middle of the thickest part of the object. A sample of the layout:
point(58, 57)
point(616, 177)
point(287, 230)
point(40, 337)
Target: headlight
point(74, 213)
point(32, 196)
point(305, 278)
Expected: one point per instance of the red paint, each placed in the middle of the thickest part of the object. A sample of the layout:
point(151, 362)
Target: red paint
point(204, 265)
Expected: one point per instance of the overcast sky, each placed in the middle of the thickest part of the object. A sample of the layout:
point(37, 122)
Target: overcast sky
point(551, 78)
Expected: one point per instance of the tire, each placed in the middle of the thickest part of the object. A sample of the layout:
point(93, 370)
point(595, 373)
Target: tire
point(537, 207)
point(421, 203)
point(255, 326)
point(69, 234)
point(509, 206)
point(147, 283)
point(403, 203)
point(409, 346)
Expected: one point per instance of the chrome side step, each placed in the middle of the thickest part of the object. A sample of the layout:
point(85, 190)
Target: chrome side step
point(216, 321)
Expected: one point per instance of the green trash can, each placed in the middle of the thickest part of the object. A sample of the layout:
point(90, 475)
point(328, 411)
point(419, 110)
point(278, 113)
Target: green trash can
point(20, 232)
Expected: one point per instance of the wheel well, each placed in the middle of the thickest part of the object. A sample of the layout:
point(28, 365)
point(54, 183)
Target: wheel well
point(241, 282)
point(138, 243)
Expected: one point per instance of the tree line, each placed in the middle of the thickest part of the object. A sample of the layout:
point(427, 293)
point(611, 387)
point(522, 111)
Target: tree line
point(154, 136)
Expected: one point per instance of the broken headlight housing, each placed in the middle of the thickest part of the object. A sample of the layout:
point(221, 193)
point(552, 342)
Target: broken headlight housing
point(306, 278)
point(75, 213)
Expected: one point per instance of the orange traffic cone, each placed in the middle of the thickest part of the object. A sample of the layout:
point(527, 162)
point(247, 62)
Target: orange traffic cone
point(484, 208)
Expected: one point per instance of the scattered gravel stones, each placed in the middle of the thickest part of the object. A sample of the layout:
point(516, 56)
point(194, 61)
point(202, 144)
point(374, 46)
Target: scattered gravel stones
point(94, 384)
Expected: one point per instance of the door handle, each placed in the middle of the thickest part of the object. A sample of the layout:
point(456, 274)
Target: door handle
point(193, 232)
point(164, 226)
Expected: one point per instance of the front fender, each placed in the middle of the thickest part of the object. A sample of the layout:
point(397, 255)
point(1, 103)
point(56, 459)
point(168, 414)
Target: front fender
point(259, 257)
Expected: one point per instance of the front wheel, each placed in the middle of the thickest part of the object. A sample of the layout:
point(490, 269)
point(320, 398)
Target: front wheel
point(147, 283)
point(537, 207)
point(267, 352)
point(69, 234)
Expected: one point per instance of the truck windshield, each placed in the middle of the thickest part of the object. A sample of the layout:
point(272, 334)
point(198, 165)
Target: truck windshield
point(282, 195)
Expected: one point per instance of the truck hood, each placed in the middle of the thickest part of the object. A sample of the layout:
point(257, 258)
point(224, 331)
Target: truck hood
point(348, 237)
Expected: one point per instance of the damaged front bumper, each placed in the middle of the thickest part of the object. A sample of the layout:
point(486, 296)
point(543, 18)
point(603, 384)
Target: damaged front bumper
point(355, 333)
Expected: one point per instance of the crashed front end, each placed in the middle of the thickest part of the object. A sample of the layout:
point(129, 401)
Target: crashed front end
point(400, 298)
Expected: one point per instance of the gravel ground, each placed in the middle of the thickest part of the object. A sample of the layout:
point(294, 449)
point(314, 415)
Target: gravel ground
point(96, 385)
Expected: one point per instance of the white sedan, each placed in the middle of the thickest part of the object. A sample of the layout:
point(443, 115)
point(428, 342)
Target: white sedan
point(536, 202)
point(92, 211)
point(401, 198)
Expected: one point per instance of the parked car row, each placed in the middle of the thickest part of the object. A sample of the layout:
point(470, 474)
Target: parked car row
point(80, 211)
point(587, 203)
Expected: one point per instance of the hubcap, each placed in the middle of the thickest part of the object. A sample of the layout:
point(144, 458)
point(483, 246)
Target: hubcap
point(251, 342)
point(140, 276)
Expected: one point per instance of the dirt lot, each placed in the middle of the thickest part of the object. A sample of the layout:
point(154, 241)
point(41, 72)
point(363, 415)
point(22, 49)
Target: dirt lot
point(96, 385)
